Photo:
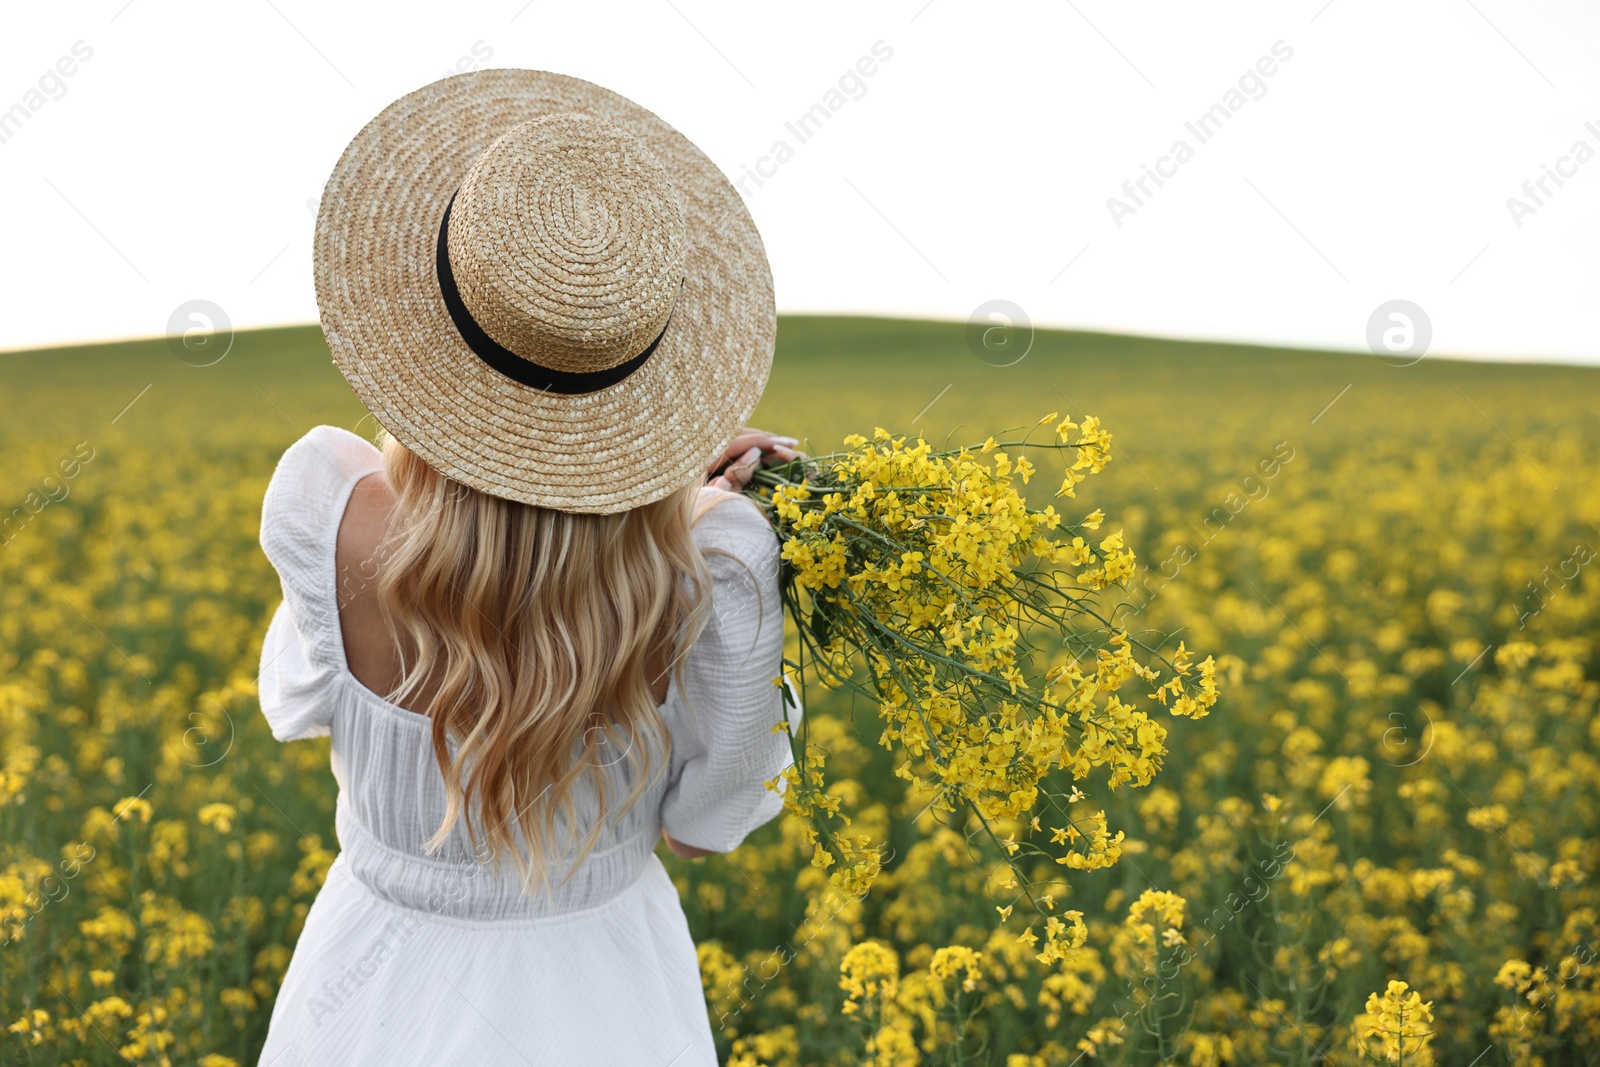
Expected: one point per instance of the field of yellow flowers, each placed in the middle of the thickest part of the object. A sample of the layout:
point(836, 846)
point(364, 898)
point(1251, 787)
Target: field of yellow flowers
point(1380, 846)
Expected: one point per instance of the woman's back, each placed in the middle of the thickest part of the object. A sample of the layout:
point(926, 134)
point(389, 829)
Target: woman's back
point(369, 647)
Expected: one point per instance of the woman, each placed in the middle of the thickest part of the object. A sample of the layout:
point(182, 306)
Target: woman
point(539, 641)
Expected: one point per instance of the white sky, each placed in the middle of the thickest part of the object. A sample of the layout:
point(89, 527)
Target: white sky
point(180, 160)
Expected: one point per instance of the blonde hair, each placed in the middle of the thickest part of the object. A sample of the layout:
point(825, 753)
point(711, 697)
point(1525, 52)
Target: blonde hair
point(527, 635)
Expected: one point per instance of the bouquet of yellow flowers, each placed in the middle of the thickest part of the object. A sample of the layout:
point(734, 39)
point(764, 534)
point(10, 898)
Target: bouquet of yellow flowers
point(980, 628)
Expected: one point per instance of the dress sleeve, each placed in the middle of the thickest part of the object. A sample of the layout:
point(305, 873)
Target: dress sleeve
point(724, 748)
point(302, 656)
point(296, 694)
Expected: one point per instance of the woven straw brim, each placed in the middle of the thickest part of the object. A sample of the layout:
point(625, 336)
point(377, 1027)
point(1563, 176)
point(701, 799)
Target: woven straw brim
point(378, 292)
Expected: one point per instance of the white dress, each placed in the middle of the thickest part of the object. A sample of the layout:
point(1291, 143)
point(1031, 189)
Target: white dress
point(410, 958)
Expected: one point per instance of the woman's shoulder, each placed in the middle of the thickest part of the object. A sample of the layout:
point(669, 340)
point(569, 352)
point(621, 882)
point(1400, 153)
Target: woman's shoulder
point(733, 523)
point(299, 511)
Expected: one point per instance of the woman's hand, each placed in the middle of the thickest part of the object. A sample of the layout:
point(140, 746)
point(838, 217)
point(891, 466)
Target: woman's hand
point(750, 448)
point(683, 851)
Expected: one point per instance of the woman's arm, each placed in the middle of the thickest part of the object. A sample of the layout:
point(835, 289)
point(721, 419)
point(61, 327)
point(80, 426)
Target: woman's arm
point(749, 448)
point(683, 851)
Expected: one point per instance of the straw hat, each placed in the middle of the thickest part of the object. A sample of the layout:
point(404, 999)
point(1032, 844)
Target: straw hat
point(543, 290)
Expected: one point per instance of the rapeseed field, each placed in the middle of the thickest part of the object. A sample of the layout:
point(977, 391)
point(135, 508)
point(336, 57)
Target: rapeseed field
point(1379, 846)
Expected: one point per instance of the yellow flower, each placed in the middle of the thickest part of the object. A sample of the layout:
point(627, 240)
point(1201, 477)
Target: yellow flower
point(136, 806)
point(870, 969)
point(952, 958)
point(1401, 1022)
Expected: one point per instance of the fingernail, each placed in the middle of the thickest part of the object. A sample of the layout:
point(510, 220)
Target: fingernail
point(790, 441)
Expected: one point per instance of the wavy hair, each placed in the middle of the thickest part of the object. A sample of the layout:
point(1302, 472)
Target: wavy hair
point(526, 635)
